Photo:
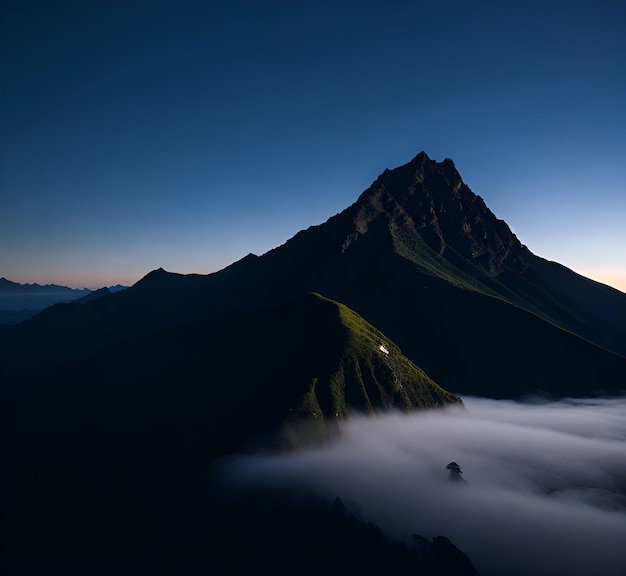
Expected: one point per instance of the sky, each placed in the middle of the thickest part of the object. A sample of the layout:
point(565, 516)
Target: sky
point(185, 135)
point(544, 489)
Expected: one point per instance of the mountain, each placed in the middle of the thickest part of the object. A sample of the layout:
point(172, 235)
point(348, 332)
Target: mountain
point(10, 291)
point(421, 257)
point(308, 359)
point(422, 215)
point(21, 301)
point(114, 407)
point(93, 296)
point(117, 443)
point(418, 255)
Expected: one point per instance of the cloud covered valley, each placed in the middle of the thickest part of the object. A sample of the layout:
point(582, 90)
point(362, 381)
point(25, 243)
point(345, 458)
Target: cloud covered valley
point(544, 490)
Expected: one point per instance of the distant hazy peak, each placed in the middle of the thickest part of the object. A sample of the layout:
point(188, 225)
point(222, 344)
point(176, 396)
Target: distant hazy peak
point(9, 286)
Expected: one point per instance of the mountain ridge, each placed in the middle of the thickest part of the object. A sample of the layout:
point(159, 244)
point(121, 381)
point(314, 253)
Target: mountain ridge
point(417, 247)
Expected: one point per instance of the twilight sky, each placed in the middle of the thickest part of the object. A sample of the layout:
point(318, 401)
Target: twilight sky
point(186, 134)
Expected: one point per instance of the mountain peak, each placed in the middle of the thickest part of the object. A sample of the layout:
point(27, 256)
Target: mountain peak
point(158, 273)
point(421, 158)
point(430, 199)
point(158, 277)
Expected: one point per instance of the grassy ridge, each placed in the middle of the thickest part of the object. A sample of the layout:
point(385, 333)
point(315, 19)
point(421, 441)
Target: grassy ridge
point(368, 373)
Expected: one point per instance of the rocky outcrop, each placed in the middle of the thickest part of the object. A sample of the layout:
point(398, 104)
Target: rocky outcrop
point(432, 198)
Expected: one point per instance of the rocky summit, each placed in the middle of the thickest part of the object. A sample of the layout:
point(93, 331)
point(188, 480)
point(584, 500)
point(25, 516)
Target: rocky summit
point(432, 199)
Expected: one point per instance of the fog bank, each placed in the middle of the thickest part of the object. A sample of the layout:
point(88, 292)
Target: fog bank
point(544, 490)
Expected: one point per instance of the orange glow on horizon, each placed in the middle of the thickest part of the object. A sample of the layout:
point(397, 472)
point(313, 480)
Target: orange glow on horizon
point(614, 278)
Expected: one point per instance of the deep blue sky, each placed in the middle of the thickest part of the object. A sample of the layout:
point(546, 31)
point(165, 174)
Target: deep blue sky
point(185, 135)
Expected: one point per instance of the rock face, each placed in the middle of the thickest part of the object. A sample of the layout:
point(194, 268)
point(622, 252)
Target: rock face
point(432, 199)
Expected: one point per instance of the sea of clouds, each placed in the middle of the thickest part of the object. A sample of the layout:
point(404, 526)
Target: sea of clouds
point(544, 490)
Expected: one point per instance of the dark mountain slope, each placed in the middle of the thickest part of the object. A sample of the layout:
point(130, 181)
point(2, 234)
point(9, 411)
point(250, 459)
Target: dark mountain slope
point(311, 356)
point(158, 301)
point(604, 307)
point(93, 296)
point(472, 342)
point(108, 453)
point(307, 549)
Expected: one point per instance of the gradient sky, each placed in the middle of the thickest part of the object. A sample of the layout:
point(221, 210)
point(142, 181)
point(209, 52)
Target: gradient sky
point(186, 134)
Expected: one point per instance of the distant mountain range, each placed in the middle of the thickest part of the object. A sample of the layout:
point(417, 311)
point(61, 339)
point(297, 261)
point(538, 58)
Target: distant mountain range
point(413, 294)
point(21, 301)
point(15, 288)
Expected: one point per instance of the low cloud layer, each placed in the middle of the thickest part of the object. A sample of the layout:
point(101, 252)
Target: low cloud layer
point(544, 490)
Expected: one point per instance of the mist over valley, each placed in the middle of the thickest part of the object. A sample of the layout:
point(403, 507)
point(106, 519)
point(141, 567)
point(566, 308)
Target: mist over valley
point(544, 488)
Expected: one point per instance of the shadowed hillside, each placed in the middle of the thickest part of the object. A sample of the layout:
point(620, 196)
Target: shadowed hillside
point(117, 444)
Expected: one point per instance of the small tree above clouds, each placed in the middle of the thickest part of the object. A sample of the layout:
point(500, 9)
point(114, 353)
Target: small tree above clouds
point(455, 472)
